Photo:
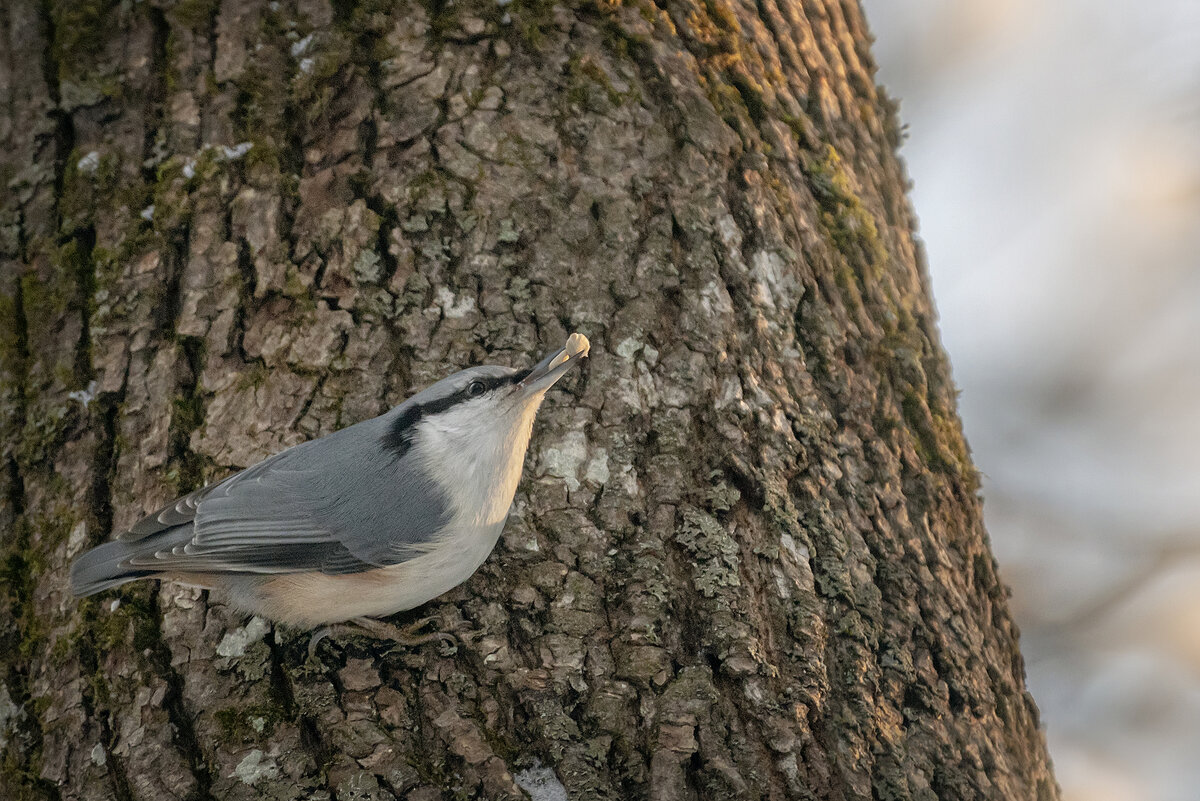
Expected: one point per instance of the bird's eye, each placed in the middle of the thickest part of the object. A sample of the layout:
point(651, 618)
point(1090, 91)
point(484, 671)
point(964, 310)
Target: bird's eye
point(475, 388)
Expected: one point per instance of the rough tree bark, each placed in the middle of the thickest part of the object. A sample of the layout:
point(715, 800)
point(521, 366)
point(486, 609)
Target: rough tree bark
point(746, 559)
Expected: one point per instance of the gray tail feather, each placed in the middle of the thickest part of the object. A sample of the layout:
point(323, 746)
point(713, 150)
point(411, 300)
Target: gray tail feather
point(107, 566)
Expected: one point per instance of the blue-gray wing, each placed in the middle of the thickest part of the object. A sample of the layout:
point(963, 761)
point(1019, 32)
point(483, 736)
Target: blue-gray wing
point(341, 504)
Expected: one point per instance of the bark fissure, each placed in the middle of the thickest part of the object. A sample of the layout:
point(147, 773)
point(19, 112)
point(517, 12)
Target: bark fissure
point(184, 739)
point(283, 690)
point(166, 313)
point(187, 416)
point(84, 241)
point(64, 129)
point(18, 578)
point(114, 767)
point(153, 140)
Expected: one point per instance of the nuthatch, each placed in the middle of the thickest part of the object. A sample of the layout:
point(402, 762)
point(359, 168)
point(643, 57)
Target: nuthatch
point(374, 519)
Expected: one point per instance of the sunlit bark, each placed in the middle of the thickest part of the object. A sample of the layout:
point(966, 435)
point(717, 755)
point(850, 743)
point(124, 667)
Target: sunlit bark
point(746, 559)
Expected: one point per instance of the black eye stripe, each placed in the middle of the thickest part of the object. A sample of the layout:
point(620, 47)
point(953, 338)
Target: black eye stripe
point(398, 438)
point(491, 382)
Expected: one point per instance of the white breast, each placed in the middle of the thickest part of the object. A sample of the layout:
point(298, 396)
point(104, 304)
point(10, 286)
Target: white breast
point(476, 459)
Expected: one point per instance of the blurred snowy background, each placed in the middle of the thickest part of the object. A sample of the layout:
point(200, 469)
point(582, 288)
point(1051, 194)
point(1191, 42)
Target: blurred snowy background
point(1055, 150)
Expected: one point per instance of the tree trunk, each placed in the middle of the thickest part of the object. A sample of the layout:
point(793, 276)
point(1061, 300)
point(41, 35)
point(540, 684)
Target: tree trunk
point(746, 559)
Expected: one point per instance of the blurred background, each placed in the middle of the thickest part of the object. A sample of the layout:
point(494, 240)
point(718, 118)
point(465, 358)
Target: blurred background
point(1055, 151)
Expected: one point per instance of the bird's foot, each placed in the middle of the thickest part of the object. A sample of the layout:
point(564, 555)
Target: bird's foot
point(381, 630)
point(406, 635)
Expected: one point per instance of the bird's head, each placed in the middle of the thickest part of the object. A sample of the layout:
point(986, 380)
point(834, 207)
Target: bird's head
point(486, 404)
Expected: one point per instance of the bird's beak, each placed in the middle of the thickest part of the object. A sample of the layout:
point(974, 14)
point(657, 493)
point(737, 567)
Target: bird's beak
point(554, 366)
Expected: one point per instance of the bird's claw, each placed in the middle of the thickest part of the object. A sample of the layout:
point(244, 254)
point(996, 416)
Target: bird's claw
point(382, 630)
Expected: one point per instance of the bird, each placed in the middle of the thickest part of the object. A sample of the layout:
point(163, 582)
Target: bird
point(373, 519)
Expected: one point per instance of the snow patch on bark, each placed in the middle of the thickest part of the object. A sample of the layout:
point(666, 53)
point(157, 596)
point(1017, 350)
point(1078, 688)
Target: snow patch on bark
point(9, 714)
point(301, 47)
point(541, 783)
point(564, 459)
point(774, 286)
point(77, 539)
point(731, 235)
point(236, 642)
point(715, 300)
point(454, 308)
point(89, 163)
point(84, 396)
point(597, 469)
point(255, 767)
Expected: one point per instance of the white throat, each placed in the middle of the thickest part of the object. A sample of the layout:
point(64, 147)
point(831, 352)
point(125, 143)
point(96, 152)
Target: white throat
point(477, 458)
